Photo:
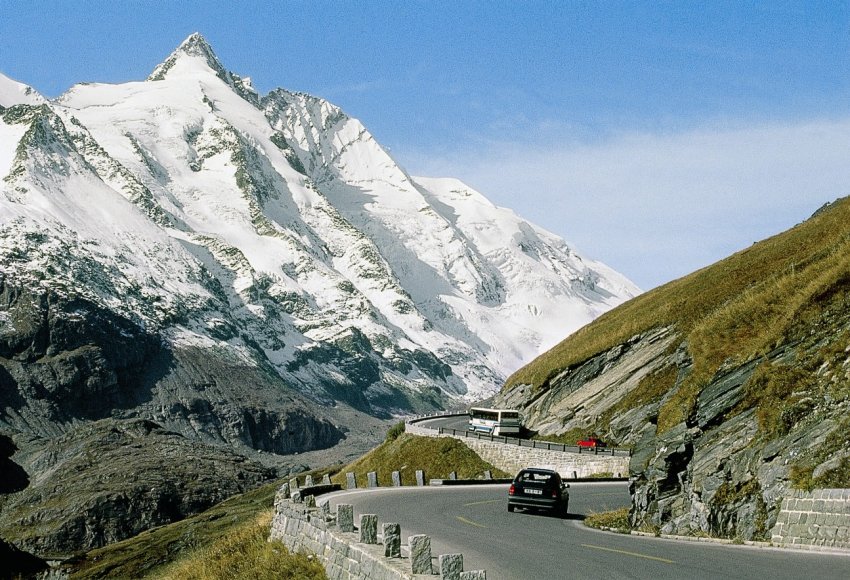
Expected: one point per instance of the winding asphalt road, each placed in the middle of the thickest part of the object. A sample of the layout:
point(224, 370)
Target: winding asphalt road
point(474, 521)
point(459, 422)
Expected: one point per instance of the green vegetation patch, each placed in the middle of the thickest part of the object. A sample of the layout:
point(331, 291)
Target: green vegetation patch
point(406, 453)
point(832, 459)
point(617, 520)
point(780, 394)
point(159, 551)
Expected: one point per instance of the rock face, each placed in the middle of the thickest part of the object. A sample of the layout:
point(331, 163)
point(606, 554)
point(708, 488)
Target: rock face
point(74, 378)
point(111, 479)
point(722, 471)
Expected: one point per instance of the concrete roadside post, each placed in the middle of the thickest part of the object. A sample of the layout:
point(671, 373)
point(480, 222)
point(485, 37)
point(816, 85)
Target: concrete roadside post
point(372, 478)
point(293, 483)
point(473, 575)
point(453, 475)
point(350, 481)
point(420, 477)
point(309, 501)
point(451, 565)
point(308, 481)
point(326, 479)
point(420, 554)
point(281, 495)
point(392, 540)
point(345, 517)
point(396, 479)
point(368, 529)
point(488, 474)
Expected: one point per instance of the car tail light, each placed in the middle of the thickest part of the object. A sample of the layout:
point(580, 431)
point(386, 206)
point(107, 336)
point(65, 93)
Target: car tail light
point(511, 490)
point(554, 493)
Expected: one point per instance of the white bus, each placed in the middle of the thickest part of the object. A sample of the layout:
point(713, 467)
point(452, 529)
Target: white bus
point(494, 421)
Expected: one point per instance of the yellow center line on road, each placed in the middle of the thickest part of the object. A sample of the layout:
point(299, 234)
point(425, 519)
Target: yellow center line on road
point(483, 502)
point(635, 554)
point(470, 522)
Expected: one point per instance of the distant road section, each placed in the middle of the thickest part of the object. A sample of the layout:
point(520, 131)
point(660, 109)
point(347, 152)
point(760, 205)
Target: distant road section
point(459, 422)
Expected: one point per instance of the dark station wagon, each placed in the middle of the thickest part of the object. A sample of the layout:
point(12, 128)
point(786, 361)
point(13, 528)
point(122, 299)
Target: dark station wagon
point(539, 489)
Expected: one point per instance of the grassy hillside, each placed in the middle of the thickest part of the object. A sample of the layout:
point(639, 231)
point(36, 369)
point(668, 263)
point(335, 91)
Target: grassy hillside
point(405, 453)
point(245, 553)
point(152, 552)
point(731, 311)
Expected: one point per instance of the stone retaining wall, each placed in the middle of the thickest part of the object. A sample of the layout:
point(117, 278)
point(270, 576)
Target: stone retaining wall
point(819, 518)
point(512, 458)
point(358, 553)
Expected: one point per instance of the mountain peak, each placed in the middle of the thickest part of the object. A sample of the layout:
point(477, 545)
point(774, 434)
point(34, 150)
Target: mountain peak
point(195, 46)
point(14, 93)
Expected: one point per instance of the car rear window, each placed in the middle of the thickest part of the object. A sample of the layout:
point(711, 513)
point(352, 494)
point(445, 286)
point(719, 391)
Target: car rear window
point(531, 476)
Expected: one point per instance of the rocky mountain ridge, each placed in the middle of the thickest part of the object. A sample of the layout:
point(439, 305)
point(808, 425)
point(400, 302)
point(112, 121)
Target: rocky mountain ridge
point(249, 277)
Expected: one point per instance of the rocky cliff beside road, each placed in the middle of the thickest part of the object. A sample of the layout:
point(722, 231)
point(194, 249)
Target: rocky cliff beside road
point(732, 385)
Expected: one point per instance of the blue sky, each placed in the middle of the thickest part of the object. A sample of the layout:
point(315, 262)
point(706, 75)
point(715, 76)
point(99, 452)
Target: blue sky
point(657, 137)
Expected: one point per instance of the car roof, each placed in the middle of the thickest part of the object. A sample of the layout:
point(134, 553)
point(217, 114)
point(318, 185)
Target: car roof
point(539, 470)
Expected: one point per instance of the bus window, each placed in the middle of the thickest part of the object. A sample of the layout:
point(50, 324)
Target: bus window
point(494, 421)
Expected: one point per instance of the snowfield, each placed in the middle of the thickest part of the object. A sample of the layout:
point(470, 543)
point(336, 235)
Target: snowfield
point(276, 226)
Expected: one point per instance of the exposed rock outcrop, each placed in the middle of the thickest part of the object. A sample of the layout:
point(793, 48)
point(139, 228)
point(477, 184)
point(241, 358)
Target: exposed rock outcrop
point(722, 471)
point(733, 388)
point(105, 481)
point(108, 430)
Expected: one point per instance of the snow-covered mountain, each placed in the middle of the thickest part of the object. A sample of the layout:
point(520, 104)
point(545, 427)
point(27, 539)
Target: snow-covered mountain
point(275, 232)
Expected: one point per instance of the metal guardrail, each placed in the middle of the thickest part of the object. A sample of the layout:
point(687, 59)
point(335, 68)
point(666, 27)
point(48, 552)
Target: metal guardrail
point(530, 443)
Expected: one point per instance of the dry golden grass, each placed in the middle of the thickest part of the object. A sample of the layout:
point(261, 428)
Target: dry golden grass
point(614, 520)
point(437, 457)
point(732, 311)
point(246, 554)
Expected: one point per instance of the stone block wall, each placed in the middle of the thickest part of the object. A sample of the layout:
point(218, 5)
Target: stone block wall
point(343, 553)
point(344, 558)
point(512, 458)
point(819, 518)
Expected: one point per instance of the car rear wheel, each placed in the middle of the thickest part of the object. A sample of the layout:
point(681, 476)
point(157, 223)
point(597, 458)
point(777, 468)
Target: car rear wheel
point(510, 508)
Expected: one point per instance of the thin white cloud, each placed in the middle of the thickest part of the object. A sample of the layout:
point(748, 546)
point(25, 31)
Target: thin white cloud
point(657, 206)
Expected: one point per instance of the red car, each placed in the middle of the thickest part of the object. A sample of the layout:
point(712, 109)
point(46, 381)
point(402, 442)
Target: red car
point(592, 442)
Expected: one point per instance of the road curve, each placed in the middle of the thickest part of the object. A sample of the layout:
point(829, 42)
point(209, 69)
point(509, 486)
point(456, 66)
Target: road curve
point(459, 422)
point(474, 521)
